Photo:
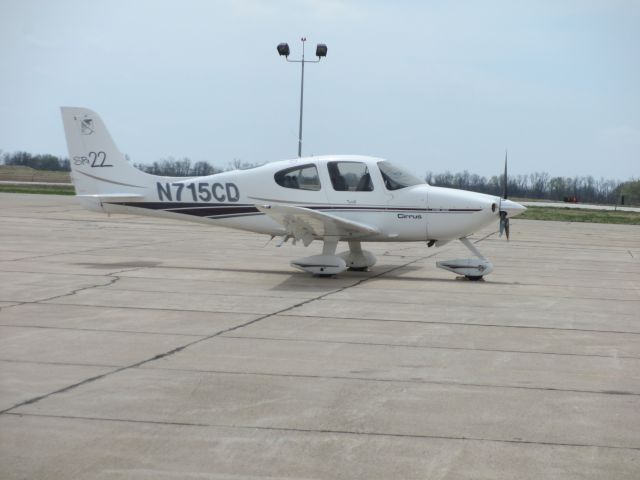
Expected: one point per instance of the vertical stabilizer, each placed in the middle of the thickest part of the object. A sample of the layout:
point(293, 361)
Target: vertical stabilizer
point(97, 166)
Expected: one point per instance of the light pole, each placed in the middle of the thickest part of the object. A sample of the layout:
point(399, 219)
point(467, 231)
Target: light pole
point(321, 51)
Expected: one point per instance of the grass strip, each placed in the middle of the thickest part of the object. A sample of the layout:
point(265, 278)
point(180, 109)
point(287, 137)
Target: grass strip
point(41, 189)
point(559, 214)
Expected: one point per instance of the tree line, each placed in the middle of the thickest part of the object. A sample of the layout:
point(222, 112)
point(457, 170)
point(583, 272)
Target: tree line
point(37, 162)
point(173, 167)
point(541, 185)
point(538, 185)
point(168, 167)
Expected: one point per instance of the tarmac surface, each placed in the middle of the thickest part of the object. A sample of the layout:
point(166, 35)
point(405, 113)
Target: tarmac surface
point(139, 348)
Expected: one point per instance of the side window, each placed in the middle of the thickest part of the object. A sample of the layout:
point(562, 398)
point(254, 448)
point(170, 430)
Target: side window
point(304, 177)
point(350, 177)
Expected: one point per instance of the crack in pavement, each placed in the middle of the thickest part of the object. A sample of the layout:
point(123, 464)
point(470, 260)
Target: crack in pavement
point(113, 278)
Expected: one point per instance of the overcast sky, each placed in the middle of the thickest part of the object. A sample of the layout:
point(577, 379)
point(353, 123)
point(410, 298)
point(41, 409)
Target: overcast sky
point(431, 85)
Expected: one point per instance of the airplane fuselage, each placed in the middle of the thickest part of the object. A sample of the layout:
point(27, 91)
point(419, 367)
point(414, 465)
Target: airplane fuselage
point(414, 213)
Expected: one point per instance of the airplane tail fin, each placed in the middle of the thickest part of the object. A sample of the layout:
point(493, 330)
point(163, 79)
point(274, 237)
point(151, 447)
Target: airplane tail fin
point(98, 168)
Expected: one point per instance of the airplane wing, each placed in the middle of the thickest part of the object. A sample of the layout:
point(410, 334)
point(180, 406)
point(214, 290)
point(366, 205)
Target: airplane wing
point(113, 197)
point(306, 224)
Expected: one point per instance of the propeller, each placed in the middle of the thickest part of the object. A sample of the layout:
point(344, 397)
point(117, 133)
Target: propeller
point(504, 220)
point(504, 224)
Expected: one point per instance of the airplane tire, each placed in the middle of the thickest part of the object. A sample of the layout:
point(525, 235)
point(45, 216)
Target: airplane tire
point(474, 278)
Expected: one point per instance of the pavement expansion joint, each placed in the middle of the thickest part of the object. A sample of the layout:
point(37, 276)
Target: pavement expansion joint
point(411, 381)
point(426, 347)
point(332, 432)
point(101, 330)
point(490, 325)
point(70, 364)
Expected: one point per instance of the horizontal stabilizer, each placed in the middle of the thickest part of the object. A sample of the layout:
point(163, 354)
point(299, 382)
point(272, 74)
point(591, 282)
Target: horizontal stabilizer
point(114, 197)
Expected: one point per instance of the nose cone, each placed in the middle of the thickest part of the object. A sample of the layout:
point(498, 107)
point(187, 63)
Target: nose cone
point(512, 208)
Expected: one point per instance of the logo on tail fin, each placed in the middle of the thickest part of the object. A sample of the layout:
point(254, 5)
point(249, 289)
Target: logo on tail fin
point(86, 126)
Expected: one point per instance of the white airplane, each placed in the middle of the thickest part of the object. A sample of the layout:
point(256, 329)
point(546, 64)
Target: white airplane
point(332, 198)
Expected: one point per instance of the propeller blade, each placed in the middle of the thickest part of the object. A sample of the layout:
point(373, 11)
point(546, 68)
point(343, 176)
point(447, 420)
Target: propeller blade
point(504, 224)
point(505, 176)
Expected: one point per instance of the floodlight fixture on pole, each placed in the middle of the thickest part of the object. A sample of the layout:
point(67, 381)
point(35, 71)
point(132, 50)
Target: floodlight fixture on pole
point(284, 51)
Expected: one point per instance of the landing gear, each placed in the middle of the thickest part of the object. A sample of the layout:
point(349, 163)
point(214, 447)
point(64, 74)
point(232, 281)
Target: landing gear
point(358, 260)
point(472, 268)
point(330, 263)
point(473, 278)
point(324, 265)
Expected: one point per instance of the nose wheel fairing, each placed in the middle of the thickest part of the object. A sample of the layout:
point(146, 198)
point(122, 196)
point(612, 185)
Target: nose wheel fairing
point(472, 268)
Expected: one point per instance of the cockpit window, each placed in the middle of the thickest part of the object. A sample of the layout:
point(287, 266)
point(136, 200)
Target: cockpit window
point(350, 176)
point(395, 178)
point(304, 177)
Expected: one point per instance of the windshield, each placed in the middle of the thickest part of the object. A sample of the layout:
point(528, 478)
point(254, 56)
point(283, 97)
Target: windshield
point(395, 178)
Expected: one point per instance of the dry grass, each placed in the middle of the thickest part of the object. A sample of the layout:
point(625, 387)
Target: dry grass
point(12, 173)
